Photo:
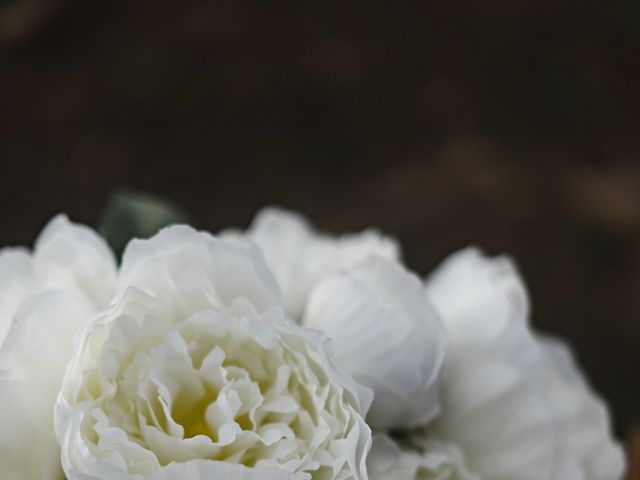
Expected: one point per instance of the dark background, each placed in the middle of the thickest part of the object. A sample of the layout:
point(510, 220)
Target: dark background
point(511, 124)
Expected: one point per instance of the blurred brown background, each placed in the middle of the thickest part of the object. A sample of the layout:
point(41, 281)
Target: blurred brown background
point(511, 124)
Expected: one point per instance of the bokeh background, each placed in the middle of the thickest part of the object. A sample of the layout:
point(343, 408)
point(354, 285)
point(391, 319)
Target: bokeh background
point(509, 124)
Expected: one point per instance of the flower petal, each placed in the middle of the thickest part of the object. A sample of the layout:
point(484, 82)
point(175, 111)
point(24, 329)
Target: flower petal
point(65, 251)
point(181, 258)
point(476, 295)
point(33, 358)
point(386, 335)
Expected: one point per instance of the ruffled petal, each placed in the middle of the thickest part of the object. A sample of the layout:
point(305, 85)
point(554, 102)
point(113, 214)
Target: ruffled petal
point(181, 258)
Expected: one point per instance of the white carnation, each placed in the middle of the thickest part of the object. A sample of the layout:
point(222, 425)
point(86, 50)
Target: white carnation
point(514, 403)
point(194, 372)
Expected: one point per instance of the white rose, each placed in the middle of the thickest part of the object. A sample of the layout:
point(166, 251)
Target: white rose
point(415, 458)
point(45, 297)
point(386, 335)
point(514, 403)
point(300, 257)
point(194, 372)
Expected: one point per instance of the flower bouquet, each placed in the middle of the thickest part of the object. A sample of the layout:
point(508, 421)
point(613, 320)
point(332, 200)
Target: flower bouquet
point(280, 353)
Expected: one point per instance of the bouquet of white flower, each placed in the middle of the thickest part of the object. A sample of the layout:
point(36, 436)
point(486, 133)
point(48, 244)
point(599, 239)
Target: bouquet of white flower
point(281, 353)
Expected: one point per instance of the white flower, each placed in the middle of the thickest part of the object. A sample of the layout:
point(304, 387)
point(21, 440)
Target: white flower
point(45, 297)
point(300, 257)
point(416, 458)
point(513, 402)
point(386, 335)
point(194, 372)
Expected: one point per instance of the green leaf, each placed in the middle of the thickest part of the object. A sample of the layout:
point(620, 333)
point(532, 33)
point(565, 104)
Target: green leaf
point(136, 215)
